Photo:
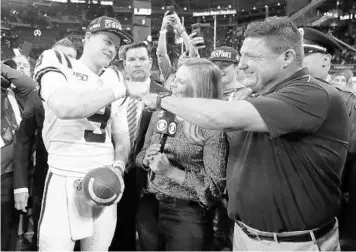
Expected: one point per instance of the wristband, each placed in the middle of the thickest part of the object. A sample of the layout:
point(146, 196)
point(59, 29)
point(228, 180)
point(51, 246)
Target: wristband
point(118, 164)
point(160, 96)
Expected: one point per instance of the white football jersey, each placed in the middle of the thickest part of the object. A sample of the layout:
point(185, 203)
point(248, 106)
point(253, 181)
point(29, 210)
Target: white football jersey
point(78, 145)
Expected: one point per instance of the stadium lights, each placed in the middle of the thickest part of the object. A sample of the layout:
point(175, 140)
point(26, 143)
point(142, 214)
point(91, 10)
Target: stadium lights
point(278, 4)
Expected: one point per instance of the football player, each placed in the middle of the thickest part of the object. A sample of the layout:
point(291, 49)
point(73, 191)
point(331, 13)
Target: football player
point(82, 116)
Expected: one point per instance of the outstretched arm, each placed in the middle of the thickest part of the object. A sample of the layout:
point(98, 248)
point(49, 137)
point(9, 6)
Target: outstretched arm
point(23, 83)
point(213, 114)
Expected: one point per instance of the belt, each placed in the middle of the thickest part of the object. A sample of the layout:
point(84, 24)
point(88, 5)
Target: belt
point(302, 236)
point(170, 200)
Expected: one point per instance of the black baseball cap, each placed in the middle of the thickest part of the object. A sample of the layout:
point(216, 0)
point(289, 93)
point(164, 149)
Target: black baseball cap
point(11, 63)
point(225, 53)
point(315, 41)
point(112, 25)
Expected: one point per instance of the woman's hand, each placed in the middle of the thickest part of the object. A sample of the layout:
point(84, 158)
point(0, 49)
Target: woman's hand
point(167, 20)
point(151, 152)
point(161, 165)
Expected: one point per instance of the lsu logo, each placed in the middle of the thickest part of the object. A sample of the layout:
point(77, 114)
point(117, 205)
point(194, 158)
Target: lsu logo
point(221, 54)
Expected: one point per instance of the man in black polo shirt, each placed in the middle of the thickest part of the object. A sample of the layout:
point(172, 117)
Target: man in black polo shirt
point(285, 164)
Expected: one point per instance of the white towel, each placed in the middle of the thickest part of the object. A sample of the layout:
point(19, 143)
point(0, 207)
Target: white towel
point(79, 211)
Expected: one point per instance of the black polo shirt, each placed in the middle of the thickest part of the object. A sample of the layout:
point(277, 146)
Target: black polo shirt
point(289, 179)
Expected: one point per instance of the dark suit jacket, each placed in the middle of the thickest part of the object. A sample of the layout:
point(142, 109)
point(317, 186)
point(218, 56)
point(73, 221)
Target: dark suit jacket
point(141, 175)
point(29, 135)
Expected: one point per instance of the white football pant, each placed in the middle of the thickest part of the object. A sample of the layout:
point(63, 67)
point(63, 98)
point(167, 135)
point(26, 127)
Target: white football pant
point(66, 217)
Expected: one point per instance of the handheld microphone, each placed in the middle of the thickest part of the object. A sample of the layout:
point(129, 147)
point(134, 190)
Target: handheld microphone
point(166, 126)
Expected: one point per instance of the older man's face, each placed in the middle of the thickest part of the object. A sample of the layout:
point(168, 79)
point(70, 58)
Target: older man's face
point(23, 65)
point(259, 64)
point(314, 62)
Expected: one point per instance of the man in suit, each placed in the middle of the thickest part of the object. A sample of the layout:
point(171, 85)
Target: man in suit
point(137, 63)
point(10, 120)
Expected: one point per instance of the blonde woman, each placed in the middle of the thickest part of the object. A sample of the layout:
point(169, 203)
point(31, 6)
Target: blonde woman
point(175, 210)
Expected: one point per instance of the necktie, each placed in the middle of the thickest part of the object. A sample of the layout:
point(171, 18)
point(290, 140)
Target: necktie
point(132, 120)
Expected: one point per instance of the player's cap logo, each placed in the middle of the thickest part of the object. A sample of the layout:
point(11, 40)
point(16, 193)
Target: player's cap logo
point(161, 125)
point(172, 128)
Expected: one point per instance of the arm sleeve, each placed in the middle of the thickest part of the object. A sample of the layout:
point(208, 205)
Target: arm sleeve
point(23, 83)
point(164, 63)
point(51, 61)
point(25, 139)
point(150, 131)
point(210, 182)
point(297, 108)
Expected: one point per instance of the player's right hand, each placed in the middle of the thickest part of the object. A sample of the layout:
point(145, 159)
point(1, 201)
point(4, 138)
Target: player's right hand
point(21, 200)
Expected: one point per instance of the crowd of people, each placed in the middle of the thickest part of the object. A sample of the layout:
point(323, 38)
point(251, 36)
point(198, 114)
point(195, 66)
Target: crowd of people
point(261, 154)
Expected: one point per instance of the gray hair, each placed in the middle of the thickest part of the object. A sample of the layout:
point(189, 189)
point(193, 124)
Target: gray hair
point(281, 34)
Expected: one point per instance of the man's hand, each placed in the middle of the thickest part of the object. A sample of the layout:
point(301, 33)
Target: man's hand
point(21, 200)
point(161, 165)
point(150, 101)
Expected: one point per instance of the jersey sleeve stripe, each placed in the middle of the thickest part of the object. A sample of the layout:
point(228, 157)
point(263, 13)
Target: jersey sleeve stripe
point(58, 55)
point(40, 74)
point(68, 61)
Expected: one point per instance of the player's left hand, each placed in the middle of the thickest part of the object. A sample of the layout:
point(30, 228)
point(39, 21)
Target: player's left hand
point(21, 200)
point(161, 165)
point(150, 101)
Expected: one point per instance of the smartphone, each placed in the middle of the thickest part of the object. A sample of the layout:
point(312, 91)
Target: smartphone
point(170, 9)
point(198, 33)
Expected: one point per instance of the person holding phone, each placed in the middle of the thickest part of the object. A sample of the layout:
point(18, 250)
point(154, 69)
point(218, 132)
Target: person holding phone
point(172, 19)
